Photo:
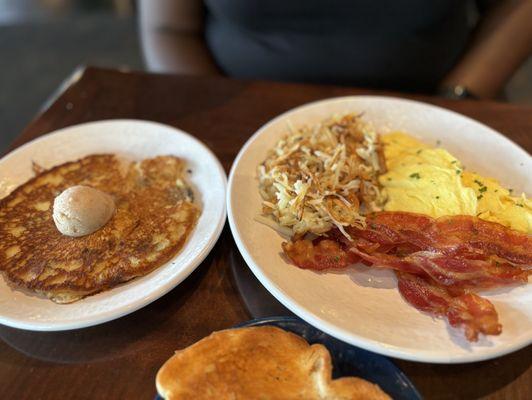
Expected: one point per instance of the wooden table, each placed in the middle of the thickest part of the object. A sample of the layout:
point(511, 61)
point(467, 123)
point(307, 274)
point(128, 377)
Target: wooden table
point(119, 359)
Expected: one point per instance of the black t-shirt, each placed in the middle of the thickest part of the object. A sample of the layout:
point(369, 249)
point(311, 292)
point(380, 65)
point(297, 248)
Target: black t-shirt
point(397, 44)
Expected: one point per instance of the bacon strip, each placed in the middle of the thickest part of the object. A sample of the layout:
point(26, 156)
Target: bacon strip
point(389, 261)
point(448, 270)
point(468, 310)
point(467, 273)
point(436, 261)
point(453, 234)
point(318, 255)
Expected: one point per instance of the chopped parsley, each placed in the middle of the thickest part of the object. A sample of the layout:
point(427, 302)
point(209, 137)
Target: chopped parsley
point(419, 151)
point(453, 162)
point(479, 197)
point(437, 197)
point(438, 142)
point(482, 189)
point(415, 175)
point(510, 190)
point(389, 179)
point(478, 182)
point(520, 205)
point(458, 171)
point(336, 258)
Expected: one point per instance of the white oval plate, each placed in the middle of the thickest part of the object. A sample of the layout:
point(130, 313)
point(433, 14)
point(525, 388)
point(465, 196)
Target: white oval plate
point(134, 140)
point(362, 306)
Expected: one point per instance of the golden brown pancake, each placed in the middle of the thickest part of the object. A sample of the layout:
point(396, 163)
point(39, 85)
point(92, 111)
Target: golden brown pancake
point(257, 363)
point(153, 218)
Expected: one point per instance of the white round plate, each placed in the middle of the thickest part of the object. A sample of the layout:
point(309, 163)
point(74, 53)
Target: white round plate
point(362, 306)
point(135, 140)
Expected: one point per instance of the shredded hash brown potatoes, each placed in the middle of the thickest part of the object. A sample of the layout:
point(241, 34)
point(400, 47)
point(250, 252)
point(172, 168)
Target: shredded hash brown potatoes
point(321, 176)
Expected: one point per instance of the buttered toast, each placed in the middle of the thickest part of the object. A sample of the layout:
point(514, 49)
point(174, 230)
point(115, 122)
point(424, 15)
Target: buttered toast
point(257, 363)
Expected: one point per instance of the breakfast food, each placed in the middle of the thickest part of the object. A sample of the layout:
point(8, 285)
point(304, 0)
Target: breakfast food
point(322, 176)
point(446, 232)
point(257, 363)
point(154, 215)
point(440, 262)
point(430, 181)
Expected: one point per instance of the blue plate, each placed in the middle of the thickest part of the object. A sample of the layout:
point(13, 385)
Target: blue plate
point(347, 360)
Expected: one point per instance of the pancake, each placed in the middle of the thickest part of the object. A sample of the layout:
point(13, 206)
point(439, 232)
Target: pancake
point(257, 363)
point(153, 218)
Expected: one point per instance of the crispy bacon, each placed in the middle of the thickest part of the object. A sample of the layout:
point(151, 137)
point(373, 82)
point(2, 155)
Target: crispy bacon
point(453, 234)
point(318, 255)
point(389, 261)
point(449, 270)
point(437, 260)
point(468, 310)
point(467, 273)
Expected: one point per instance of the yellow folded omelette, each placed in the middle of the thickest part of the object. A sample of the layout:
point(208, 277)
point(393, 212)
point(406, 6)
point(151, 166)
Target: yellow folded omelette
point(431, 181)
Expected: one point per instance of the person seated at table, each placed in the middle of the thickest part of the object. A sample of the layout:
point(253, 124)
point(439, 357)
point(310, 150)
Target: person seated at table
point(457, 47)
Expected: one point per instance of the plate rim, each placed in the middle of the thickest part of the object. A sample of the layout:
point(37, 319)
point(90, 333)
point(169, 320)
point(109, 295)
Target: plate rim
point(184, 273)
point(329, 328)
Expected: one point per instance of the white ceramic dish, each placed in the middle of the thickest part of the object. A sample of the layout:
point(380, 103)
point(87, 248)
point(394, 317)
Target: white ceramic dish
point(362, 306)
point(135, 140)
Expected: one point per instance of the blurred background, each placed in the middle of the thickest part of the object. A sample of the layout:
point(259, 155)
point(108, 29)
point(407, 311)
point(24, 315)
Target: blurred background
point(43, 41)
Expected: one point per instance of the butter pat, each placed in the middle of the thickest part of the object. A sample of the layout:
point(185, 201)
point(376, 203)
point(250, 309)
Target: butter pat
point(82, 210)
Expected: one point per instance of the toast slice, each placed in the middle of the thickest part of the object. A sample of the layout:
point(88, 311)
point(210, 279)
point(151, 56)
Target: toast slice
point(264, 363)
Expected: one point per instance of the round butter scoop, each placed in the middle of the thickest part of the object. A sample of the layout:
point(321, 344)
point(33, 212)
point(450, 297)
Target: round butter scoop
point(81, 210)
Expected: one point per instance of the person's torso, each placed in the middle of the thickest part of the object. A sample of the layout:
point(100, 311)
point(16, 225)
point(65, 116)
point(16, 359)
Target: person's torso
point(407, 44)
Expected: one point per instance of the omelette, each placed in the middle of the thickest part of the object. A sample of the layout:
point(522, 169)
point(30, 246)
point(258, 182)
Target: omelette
point(426, 180)
point(154, 216)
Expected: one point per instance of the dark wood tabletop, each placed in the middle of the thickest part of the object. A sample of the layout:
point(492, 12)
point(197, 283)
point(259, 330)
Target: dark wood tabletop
point(119, 359)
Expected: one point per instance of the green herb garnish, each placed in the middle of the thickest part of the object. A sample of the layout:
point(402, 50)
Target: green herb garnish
point(415, 175)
